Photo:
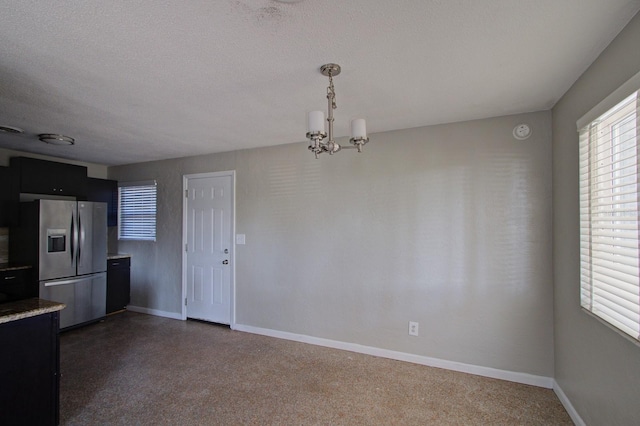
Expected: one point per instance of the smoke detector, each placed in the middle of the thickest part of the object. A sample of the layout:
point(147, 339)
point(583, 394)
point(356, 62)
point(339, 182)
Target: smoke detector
point(522, 132)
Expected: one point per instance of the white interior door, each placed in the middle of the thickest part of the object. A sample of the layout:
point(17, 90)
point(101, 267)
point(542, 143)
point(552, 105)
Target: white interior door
point(209, 246)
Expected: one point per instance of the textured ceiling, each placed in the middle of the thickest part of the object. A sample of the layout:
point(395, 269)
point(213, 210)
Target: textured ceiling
point(154, 79)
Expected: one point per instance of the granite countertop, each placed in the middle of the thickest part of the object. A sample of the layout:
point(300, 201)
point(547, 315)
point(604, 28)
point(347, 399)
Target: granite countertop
point(20, 309)
point(13, 266)
point(111, 256)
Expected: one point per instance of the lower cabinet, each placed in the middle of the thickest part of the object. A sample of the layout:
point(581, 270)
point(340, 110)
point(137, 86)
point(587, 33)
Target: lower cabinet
point(29, 367)
point(17, 284)
point(118, 284)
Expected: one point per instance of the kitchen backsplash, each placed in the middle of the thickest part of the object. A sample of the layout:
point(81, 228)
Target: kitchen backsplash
point(4, 245)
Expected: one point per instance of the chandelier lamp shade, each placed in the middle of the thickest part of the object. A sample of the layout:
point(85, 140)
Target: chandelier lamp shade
point(316, 122)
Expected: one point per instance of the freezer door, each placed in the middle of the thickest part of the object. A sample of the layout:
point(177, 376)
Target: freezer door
point(85, 297)
point(57, 239)
point(92, 237)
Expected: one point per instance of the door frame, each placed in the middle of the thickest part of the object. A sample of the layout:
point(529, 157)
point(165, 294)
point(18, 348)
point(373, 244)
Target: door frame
point(232, 272)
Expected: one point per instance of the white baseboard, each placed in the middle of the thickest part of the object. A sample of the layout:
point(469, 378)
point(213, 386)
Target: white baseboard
point(156, 312)
point(567, 405)
point(512, 376)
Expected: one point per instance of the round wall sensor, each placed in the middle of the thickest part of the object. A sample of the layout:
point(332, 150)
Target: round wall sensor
point(521, 132)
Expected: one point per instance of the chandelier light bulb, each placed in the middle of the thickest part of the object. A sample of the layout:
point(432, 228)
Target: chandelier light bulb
point(358, 128)
point(316, 121)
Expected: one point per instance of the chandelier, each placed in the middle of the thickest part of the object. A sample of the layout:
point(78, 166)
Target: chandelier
point(317, 133)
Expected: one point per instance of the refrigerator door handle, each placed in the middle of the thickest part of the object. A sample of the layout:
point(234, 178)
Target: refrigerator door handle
point(72, 243)
point(80, 238)
point(65, 282)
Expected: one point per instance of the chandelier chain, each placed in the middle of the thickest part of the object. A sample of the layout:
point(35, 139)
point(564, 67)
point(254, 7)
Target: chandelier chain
point(331, 92)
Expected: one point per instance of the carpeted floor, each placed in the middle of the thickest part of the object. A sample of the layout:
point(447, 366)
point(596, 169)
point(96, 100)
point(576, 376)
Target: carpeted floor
point(140, 369)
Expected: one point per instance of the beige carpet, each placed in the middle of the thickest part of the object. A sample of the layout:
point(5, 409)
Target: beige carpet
point(139, 369)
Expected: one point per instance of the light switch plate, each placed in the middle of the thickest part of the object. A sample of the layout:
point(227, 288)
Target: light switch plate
point(240, 238)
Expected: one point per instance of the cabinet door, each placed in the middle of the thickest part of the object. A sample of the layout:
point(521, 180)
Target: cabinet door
point(29, 367)
point(49, 177)
point(5, 197)
point(17, 284)
point(105, 191)
point(118, 284)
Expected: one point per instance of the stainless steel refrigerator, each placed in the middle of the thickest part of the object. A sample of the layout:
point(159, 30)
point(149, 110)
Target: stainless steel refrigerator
point(66, 242)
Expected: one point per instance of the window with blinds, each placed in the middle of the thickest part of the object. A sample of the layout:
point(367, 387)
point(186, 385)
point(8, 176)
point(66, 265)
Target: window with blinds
point(609, 214)
point(137, 202)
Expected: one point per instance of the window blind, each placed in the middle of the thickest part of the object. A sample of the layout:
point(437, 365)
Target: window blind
point(609, 216)
point(137, 202)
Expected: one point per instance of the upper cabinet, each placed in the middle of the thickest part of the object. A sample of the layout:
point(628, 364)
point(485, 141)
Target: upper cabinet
point(106, 191)
point(34, 176)
point(6, 210)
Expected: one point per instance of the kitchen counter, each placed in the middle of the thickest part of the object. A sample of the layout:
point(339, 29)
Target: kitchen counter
point(112, 256)
point(13, 266)
point(20, 309)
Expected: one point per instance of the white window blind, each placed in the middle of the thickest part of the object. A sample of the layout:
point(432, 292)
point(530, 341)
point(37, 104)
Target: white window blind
point(137, 202)
point(609, 213)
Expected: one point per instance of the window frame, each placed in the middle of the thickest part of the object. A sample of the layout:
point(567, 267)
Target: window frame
point(609, 181)
point(139, 226)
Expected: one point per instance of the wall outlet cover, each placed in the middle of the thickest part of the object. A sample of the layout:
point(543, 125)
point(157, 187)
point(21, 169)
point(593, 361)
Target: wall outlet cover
point(413, 328)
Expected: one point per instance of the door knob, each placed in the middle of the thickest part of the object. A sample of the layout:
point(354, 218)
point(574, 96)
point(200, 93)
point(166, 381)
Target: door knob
point(226, 251)
point(225, 262)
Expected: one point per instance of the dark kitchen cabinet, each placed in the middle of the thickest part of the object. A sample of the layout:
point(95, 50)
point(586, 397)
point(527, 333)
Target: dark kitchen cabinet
point(29, 367)
point(118, 284)
point(105, 191)
point(17, 284)
point(7, 208)
point(34, 176)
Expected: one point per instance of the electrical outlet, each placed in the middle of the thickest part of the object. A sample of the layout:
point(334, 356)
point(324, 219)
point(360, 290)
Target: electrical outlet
point(413, 328)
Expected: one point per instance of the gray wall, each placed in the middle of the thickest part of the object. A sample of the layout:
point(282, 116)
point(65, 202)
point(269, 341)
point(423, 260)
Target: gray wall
point(597, 369)
point(446, 225)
